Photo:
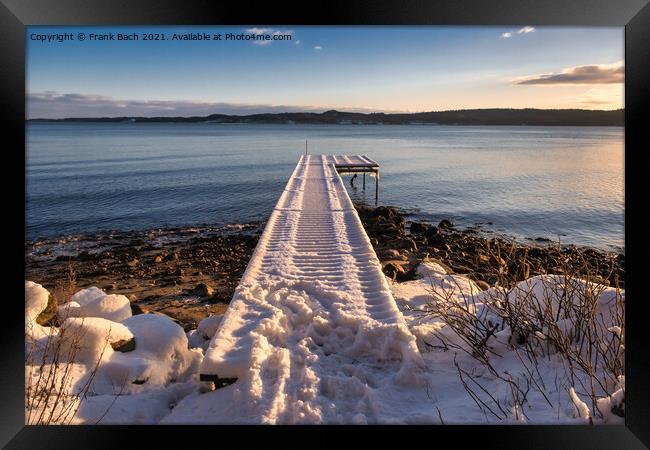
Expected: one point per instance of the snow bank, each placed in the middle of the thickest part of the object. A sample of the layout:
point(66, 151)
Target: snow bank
point(148, 407)
point(68, 309)
point(554, 291)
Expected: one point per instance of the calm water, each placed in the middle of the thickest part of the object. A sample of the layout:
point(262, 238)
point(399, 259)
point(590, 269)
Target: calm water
point(527, 181)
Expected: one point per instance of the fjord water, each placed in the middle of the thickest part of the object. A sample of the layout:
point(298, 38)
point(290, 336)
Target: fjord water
point(527, 181)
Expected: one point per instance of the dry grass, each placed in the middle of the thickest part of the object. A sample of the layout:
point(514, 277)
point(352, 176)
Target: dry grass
point(53, 390)
point(50, 397)
point(562, 321)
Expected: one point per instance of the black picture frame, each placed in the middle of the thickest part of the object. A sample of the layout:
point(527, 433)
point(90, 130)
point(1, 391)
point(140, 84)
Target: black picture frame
point(634, 15)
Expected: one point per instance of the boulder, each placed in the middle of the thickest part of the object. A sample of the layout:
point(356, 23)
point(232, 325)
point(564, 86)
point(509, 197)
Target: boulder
point(124, 345)
point(111, 307)
point(391, 270)
point(209, 326)
point(203, 290)
point(136, 309)
point(436, 239)
point(418, 227)
point(48, 317)
point(383, 211)
point(408, 244)
point(444, 224)
point(85, 339)
point(391, 253)
point(87, 295)
point(36, 300)
point(407, 275)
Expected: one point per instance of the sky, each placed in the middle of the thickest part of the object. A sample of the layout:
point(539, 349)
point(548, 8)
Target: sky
point(366, 69)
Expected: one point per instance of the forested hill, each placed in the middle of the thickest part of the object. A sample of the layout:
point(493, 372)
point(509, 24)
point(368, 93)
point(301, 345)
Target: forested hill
point(569, 117)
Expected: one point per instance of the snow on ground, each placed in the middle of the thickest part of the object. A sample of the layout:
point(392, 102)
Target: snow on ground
point(139, 383)
point(340, 379)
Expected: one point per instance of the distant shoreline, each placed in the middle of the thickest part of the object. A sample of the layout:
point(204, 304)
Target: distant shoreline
point(525, 117)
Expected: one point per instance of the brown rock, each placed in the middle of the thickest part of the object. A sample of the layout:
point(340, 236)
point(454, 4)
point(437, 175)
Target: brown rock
point(124, 345)
point(136, 309)
point(391, 253)
point(48, 317)
point(418, 227)
point(203, 290)
point(408, 244)
point(391, 269)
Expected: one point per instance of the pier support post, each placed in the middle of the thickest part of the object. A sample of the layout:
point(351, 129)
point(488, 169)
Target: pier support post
point(376, 187)
point(364, 181)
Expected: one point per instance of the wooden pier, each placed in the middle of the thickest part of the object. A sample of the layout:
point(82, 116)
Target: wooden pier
point(315, 251)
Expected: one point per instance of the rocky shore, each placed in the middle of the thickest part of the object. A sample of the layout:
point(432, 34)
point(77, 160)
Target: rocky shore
point(191, 273)
point(186, 274)
point(401, 245)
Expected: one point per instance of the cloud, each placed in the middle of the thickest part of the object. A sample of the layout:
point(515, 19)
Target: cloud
point(525, 30)
point(256, 30)
point(271, 31)
point(318, 47)
point(589, 74)
point(54, 105)
point(596, 102)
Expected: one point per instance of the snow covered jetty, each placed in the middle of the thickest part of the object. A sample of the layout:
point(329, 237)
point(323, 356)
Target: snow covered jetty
point(313, 286)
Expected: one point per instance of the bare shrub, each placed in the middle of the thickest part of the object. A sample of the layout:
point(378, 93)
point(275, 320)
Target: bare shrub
point(53, 391)
point(50, 397)
point(558, 317)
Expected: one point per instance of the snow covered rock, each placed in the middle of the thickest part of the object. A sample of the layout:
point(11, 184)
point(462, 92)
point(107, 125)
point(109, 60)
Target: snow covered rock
point(35, 300)
point(196, 340)
point(157, 334)
point(93, 302)
point(200, 338)
point(68, 309)
point(85, 296)
point(88, 339)
point(162, 353)
point(208, 326)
